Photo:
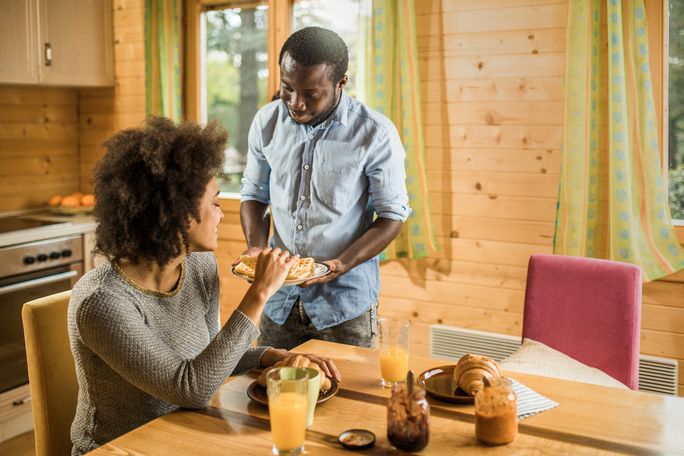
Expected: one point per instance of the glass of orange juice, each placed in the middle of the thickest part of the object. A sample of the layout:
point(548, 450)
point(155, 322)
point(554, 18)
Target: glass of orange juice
point(394, 350)
point(287, 389)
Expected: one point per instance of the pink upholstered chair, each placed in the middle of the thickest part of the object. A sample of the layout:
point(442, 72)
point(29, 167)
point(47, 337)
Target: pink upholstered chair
point(587, 308)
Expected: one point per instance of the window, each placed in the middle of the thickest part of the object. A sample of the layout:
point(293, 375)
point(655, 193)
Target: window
point(234, 78)
point(675, 129)
point(341, 16)
point(234, 61)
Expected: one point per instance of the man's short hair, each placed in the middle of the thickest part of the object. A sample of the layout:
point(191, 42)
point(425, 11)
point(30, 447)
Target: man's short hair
point(316, 45)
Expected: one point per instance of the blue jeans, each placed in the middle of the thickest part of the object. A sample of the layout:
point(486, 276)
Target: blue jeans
point(298, 328)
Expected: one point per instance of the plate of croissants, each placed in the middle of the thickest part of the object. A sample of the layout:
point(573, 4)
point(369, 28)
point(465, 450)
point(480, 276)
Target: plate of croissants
point(257, 389)
point(458, 384)
point(304, 269)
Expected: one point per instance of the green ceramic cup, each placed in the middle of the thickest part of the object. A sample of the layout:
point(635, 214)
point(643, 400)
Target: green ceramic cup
point(314, 387)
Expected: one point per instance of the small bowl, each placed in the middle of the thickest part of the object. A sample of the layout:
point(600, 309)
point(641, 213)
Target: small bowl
point(357, 439)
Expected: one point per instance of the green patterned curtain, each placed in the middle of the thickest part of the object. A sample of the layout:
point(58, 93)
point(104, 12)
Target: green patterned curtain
point(612, 199)
point(392, 87)
point(163, 58)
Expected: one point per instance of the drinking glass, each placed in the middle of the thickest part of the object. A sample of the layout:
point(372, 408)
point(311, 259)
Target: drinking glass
point(394, 350)
point(287, 389)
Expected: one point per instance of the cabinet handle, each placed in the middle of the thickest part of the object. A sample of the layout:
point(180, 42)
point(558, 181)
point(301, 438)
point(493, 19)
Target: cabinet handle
point(22, 401)
point(48, 54)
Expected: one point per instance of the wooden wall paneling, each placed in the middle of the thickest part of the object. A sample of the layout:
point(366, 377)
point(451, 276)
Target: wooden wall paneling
point(38, 145)
point(493, 183)
point(105, 111)
point(507, 136)
point(482, 43)
point(493, 89)
point(449, 6)
point(504, 160)
point(490, 66)
point(504, 17)
point(497, 113)
point(498, 206)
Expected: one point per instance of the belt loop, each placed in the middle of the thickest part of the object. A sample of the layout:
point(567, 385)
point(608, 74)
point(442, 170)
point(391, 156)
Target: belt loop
point(300, 310)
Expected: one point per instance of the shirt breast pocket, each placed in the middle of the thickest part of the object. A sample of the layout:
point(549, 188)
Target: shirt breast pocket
point(336, 185)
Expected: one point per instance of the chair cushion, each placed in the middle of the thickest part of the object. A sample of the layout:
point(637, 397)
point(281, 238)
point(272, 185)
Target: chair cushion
point(536, 358)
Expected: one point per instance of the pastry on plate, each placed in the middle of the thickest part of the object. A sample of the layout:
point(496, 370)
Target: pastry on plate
point(297, 361)
point(303, 268)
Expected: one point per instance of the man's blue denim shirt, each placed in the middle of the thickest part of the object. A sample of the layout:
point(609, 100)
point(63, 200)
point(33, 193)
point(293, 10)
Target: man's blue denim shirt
point(324, 185)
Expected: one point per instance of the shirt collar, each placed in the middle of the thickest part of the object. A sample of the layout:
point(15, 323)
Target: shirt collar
point(341, 113)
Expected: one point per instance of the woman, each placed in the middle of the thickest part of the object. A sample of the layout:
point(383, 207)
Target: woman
point(144, 328)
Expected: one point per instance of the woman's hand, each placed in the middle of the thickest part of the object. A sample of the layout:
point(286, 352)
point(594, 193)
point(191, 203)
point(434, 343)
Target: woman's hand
point(271, 270)
point(274, 355)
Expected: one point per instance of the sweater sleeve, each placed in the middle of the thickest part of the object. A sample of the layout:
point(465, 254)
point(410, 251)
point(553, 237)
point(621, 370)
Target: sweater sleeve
point(121, 339)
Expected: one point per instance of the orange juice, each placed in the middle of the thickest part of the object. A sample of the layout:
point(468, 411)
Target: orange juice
point(288, 420)
point(394, 364)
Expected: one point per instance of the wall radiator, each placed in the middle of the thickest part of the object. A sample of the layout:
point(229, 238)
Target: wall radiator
point(656, 374)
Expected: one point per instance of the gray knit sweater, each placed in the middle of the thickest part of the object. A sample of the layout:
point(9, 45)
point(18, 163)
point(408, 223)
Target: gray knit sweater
point(142, 354)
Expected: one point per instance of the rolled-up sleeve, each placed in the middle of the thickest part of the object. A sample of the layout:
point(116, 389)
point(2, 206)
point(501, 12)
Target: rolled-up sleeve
point(255, 180)
point(387, 177)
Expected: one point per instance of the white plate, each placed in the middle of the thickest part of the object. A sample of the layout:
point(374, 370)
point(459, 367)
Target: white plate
point(320, 269)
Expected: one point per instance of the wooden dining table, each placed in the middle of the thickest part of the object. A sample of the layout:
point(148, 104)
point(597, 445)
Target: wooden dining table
point(590, 419)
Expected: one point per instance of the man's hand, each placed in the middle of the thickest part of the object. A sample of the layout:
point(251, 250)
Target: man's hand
point(336, 270)
point(252, 251)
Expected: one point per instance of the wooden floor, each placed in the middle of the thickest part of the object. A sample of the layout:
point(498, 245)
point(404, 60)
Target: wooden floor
point(21, 445)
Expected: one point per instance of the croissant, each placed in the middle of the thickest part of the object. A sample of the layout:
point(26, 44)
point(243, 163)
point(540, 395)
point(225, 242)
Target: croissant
point(297, 361)
point(470, 369)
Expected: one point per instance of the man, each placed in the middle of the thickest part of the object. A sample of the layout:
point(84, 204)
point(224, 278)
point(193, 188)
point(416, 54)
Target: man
point(325, 163)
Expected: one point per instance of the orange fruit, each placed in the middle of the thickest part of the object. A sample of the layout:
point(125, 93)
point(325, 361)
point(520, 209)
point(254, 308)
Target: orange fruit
point(88, 200)
point(71, 201)
point(55, 200)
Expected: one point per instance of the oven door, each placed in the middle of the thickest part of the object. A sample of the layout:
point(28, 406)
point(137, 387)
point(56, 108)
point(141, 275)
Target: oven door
point(14, 292)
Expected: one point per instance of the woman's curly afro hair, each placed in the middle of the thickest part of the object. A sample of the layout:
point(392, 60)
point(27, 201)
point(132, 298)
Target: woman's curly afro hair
point(149, 185)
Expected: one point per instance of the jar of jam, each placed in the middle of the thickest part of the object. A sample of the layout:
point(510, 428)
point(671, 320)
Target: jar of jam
point(408, 416)
point(496, 418)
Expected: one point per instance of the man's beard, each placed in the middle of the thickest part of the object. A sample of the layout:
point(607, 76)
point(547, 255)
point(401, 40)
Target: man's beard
point(321, 117)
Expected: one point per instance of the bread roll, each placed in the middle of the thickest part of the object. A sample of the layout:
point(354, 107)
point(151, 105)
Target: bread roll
point(297, 361)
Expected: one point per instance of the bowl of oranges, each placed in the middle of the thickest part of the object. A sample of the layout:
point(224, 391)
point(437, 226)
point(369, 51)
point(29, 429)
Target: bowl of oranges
point(76, 203)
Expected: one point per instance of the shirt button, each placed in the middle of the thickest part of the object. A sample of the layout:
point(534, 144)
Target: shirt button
point(310, 136)
point(306, 167)
point(302, 197)
point(300, 227)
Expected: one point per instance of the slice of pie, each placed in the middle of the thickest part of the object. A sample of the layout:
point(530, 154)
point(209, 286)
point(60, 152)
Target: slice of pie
point(303, 268)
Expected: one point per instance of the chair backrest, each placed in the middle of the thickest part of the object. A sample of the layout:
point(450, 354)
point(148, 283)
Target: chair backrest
point(587, 308)
point(52, 374)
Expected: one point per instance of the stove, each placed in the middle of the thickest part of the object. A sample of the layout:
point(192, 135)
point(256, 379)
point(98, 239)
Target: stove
point(38, 257)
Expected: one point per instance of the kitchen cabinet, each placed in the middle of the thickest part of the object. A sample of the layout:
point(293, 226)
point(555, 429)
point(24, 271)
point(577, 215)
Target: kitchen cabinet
point(56, 42)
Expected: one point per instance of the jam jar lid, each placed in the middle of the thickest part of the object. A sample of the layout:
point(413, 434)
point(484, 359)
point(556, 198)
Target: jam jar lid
point(357, 439)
